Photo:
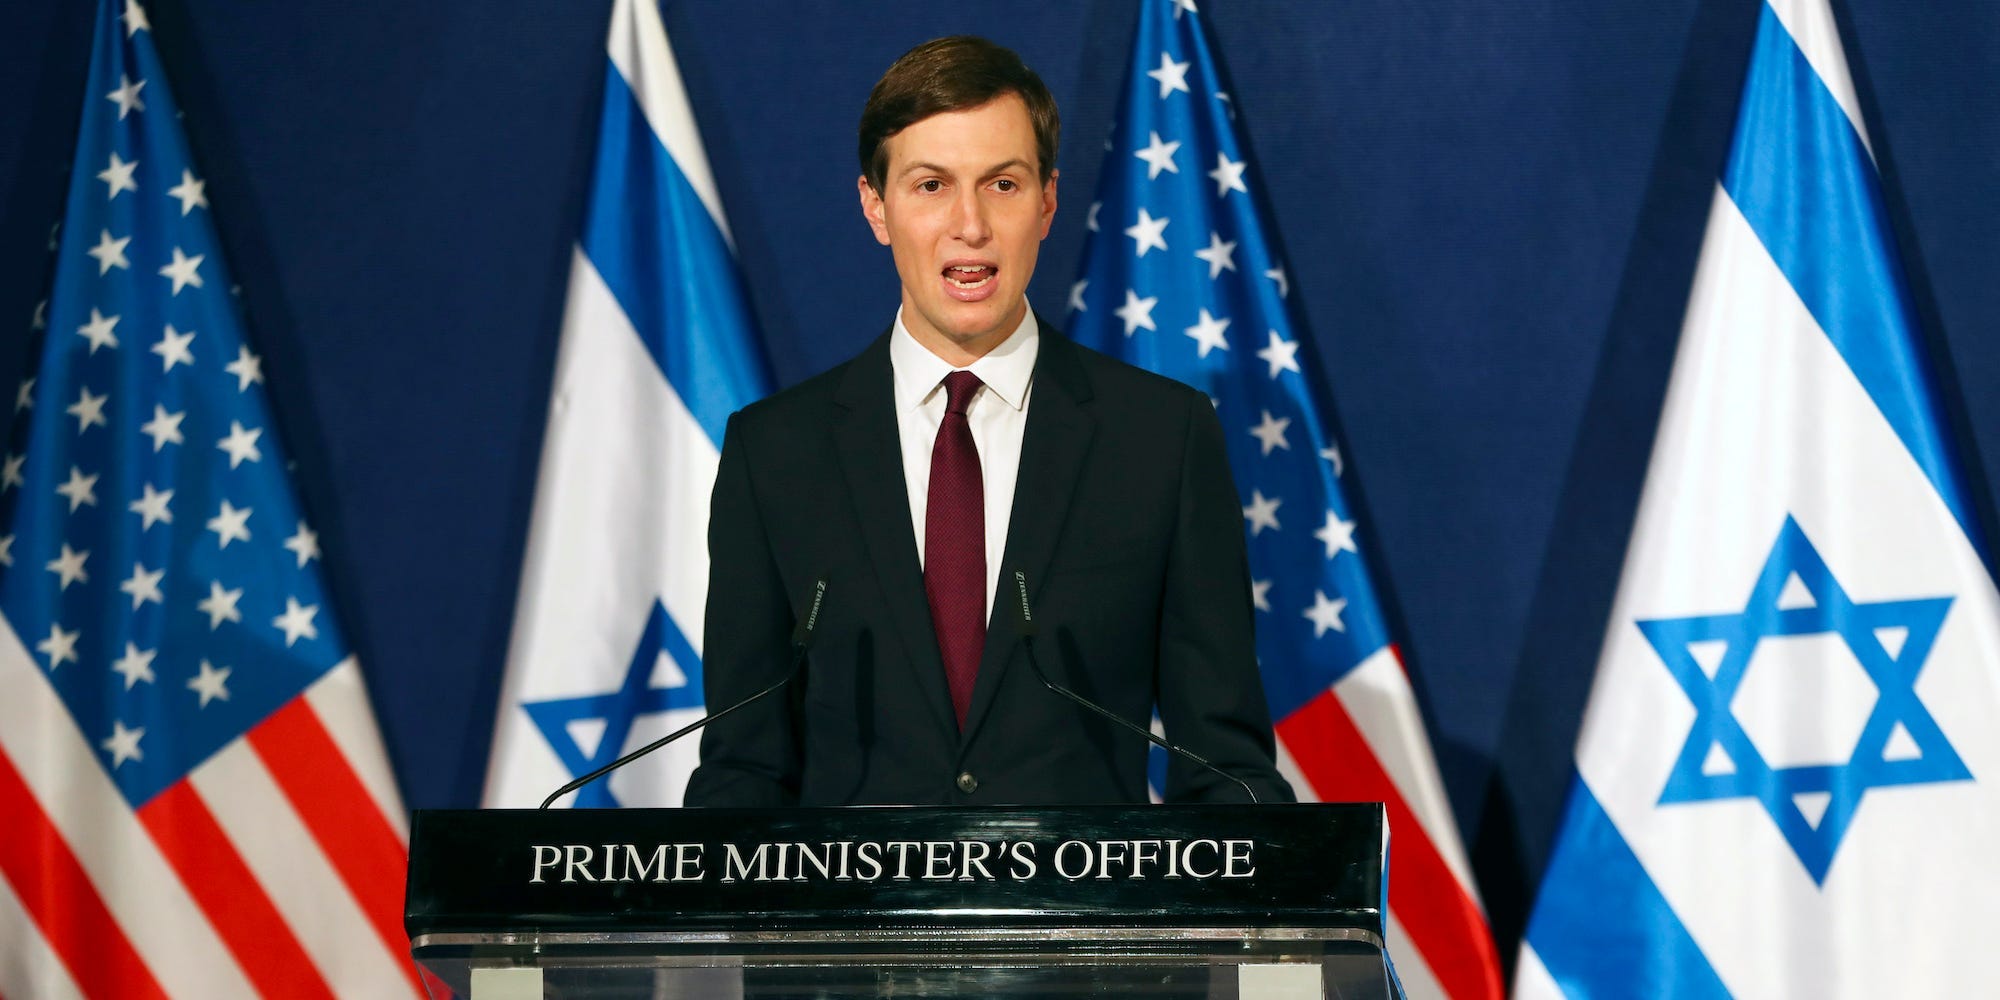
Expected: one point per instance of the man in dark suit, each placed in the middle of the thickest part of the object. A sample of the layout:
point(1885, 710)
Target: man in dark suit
point(969, 442)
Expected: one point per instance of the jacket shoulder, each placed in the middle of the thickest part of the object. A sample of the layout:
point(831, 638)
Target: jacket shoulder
point(1125, 384)
point(786, 408)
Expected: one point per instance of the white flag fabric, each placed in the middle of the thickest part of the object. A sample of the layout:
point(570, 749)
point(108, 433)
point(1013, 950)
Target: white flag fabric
point(658, 348)
point(1785, 778)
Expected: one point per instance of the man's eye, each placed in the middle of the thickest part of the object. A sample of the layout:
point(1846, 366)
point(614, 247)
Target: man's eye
point(931, 186)
point(1005, 184)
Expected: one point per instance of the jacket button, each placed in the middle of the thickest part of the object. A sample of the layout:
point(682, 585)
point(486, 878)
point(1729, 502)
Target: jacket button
point(967, 783)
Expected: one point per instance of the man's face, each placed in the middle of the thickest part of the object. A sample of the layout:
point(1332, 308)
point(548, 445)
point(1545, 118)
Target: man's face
point(963, 211)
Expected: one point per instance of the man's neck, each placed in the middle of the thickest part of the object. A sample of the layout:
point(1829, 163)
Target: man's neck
point(960, 353)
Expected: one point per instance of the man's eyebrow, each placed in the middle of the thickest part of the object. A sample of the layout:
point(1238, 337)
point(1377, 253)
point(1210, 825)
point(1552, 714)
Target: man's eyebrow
point(1001, 168)
point(926, 167)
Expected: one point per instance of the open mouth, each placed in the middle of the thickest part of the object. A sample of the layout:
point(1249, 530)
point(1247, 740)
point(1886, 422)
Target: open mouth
point(970, 277)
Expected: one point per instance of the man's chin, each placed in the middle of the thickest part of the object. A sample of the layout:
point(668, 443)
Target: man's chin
point(968, 323)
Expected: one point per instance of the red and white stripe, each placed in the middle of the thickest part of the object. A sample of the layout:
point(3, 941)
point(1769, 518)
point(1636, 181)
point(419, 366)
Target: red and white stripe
point(1362, 740)
point(275, 869)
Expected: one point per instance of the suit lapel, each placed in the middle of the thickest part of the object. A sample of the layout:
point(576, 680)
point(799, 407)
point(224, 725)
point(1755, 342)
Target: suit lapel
point(872, 459)
point(1053, 447)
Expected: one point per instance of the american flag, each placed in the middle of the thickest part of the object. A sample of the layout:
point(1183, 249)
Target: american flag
point(1181, 275)
point(197, 800)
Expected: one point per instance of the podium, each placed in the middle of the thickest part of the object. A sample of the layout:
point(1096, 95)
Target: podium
point(1275, 901)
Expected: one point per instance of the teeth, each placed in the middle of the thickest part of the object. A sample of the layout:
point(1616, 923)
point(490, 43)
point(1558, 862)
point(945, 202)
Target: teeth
point(968, 284)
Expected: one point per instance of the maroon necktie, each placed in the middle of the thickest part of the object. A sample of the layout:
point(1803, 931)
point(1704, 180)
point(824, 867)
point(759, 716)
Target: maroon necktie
point(955, 544)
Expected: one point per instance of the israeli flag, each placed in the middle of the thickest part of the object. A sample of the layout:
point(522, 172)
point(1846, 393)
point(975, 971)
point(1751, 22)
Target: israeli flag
point(1786, 776)
point(658, 348)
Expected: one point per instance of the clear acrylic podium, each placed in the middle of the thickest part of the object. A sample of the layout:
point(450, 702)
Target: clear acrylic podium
point(1280, 902)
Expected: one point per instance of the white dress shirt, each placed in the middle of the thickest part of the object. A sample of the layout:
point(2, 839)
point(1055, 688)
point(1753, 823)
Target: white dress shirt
point(998, 414)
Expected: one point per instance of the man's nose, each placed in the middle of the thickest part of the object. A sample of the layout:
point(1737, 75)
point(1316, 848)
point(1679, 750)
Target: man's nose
point(968, 219)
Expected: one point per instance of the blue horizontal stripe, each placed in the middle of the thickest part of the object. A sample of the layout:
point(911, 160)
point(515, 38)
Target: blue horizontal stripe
point(1601, 926)
point(1804, 180)
point(668, 265)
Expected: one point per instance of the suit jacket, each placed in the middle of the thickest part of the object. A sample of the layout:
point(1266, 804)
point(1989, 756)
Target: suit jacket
point(1129, 529)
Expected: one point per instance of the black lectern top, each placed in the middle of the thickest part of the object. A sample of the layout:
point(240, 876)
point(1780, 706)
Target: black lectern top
point(497, 871)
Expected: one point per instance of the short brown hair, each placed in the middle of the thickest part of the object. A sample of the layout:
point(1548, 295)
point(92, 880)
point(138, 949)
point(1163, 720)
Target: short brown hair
point(952, 74)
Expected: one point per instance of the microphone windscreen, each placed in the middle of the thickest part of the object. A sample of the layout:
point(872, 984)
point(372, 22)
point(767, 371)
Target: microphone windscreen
point(802, 635)
point(1024, 616)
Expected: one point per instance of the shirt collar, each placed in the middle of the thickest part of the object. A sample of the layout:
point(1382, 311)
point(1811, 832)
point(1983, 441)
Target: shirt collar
point(1006, 370)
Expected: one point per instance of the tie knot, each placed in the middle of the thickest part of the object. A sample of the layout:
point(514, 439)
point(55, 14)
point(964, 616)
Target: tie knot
point(958, 390)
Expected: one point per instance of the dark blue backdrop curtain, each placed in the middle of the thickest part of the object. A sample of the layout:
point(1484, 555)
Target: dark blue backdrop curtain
point(1492, 212)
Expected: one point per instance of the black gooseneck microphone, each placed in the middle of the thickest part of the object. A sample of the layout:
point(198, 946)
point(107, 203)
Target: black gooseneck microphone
point(802, 638)
point(1024, 625)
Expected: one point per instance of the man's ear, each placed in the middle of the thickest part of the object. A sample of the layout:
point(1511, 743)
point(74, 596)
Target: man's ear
point(872, 209)
point(1049, 202)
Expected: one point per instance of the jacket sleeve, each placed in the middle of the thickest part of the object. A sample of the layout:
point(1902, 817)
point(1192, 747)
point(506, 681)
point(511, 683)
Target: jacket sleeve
point(1210, 697)
point(751, 758)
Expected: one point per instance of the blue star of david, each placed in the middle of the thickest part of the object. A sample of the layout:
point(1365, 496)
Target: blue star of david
point(1895, 677)
point(621, 708)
